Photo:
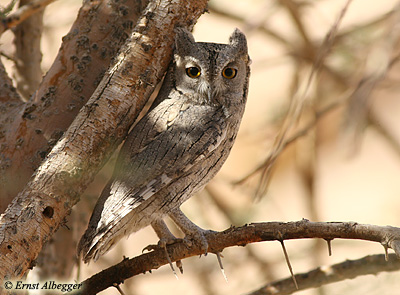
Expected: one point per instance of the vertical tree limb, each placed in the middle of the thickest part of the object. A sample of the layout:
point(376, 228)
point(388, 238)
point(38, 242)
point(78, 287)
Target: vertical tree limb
point(28, 55)
point(32, 129)
point(36, 213)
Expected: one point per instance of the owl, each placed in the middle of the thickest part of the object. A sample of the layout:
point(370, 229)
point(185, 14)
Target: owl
point(177, 147)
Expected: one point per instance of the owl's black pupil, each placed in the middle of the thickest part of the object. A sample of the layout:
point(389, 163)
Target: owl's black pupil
point(193, 71)
point(228, 72)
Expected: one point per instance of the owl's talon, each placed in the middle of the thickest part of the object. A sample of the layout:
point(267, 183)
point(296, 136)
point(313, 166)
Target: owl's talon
point(166, 238)
point(192, 231)
point(162, 243)
point(199, 237)
point(151, 247)
point(169, 261)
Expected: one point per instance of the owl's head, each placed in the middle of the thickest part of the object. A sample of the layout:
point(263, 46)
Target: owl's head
point(212, 73)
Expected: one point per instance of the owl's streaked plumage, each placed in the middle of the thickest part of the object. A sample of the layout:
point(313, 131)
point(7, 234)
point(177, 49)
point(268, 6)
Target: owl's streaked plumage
point(178, 146)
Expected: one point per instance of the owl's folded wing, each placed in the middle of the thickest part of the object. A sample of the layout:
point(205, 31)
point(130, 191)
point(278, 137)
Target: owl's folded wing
point(160, 149)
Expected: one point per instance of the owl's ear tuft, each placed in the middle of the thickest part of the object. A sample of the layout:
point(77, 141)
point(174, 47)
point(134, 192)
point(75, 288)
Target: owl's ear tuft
point(239, 42)
point(183, 40)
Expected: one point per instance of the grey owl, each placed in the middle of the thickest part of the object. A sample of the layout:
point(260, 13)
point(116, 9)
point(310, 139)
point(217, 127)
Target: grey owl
point(177, 147)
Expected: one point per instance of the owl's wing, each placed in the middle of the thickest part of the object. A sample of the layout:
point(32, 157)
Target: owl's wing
point(161, 148)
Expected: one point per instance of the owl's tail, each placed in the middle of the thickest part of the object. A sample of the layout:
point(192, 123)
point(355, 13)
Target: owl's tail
point(95, 242)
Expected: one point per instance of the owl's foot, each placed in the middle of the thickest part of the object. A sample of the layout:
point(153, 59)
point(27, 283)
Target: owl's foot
point(191, 230)
point(194, 232)
point(166, 238)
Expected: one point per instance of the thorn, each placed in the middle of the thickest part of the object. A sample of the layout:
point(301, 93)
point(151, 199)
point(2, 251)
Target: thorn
point(179, 265)
point(116, 286)
point(288, 263)
point(170, 262)
point(219, 255)
point(329, 247)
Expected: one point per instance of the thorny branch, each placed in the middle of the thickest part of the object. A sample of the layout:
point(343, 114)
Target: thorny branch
point(388, 236)
point(323, 275)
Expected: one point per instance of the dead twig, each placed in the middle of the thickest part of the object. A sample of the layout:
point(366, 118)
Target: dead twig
point(300, 133)
point(297, 103)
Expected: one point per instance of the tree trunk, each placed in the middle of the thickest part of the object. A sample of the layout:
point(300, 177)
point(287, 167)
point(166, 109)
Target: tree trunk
point(37, 212)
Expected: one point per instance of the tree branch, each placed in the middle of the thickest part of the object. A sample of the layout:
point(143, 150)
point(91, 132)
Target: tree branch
point(298, 101)
point(241, 236)
point(30, 130)
point(324, 275)
point(28, 71)
point(8, 96)
point(22, 14)
point(37, 212)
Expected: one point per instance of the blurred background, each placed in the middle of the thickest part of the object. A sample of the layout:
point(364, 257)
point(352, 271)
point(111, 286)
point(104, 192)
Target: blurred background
point(346, 166)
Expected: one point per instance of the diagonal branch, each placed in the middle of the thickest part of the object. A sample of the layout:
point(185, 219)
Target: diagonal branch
point(37, 212)
point(22, 14)
point(299, 133)
point(241, 236)
point(298, 101)
point(323, 275)
point(30, 130)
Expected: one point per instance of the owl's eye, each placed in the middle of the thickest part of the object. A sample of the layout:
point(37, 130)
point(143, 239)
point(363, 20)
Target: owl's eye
point(229, 73)
point(193, 72)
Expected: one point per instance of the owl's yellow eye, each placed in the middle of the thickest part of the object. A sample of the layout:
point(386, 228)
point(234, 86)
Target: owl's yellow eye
point(229, 73)
point(193, 72)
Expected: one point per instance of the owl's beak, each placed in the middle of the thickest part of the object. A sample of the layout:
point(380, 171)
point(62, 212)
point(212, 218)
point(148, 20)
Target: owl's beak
point(210, 94)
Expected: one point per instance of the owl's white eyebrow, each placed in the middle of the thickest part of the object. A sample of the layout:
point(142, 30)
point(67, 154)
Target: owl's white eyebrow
point(192, 63)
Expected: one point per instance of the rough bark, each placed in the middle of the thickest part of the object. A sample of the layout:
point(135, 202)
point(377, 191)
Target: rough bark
point(36, 213)
point(32, 129)
point(241, 236)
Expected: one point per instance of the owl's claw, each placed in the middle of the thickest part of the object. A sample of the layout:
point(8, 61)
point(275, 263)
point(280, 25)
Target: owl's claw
point(166, 238)
point(162, 243)
point(198, 235)
point(191, 230)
